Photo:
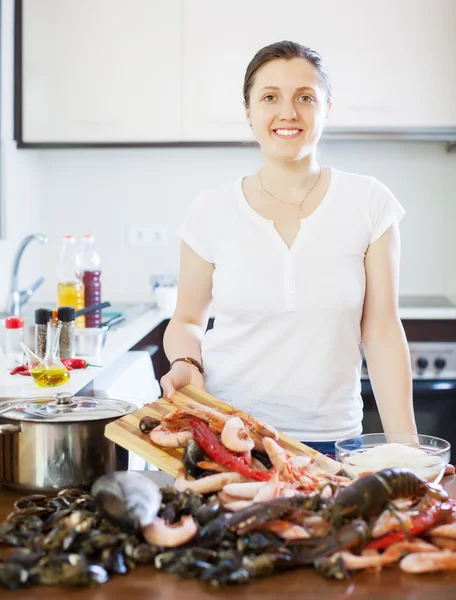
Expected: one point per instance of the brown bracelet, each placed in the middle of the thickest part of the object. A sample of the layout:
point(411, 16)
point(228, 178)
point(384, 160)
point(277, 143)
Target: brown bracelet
point(191, 361)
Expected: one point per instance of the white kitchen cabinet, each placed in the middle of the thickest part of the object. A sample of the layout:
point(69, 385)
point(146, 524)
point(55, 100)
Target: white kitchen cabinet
point(101, 71)
point(392, 63)
point(219, 40)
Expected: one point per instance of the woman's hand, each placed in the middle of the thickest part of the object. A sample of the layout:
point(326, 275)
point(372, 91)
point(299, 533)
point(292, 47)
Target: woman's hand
point(449, 470)
point(179, 376)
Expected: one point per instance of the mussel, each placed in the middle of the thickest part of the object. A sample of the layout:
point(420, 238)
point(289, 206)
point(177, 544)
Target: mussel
point(192, 456)
point(146, 424)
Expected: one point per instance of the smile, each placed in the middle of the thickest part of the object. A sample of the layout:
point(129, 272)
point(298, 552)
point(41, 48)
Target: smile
point(287, 133)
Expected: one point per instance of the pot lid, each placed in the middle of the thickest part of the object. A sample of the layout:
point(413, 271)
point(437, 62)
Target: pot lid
point(65, 407)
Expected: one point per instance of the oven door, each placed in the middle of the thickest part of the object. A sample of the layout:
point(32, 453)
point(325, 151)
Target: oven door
point(434, 403)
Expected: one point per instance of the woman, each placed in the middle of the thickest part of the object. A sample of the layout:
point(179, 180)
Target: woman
point(302, 264)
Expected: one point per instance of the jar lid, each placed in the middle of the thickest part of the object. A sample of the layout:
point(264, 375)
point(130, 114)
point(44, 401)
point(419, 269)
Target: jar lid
point(14, 322)
point(66, 314)
point(42, 316)
point(65, 407)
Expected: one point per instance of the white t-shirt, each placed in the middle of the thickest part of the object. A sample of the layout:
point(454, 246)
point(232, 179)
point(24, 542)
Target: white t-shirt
point(285, 344)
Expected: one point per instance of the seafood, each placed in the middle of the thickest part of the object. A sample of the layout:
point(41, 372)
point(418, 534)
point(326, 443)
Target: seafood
point(207, 512)
point(253, 517)
point(162, 534)
point(14, 576)
point(169, 439)
point(235, 436)
point(209, 443)
point(146, 424)
point(192, 455)
point(129, 499)
point(211, 483)
point(349, 536)
point(247, 490)
point(368, 495)
point(429, 562)
point(422, 522)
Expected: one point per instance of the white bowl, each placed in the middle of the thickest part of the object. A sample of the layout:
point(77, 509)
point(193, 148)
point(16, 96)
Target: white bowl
point(425, 455)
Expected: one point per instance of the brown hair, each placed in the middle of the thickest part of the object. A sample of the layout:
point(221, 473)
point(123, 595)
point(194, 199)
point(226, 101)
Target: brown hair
point(286, 50)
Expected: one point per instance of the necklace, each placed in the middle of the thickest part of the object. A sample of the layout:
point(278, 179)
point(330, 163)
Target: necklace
point(300, 204)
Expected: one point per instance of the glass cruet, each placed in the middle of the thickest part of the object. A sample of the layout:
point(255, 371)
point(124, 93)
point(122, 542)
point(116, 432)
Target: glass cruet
point(50, 371)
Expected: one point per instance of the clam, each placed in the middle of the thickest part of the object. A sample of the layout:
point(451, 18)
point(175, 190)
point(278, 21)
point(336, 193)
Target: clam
point(129, 499)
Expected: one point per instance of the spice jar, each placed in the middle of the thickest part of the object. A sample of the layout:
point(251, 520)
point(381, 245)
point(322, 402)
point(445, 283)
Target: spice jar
point(66, 314)
point(42, 317)
point(14, 333)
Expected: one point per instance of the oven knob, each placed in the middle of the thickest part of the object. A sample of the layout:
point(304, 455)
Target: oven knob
point(440, 363)
point(422, 363)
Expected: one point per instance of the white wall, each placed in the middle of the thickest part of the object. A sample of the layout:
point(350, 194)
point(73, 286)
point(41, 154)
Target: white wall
point(20, 187)
point(102, 191)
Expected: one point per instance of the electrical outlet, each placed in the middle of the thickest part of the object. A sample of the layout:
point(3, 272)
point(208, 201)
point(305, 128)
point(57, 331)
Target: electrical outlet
point(148, 235)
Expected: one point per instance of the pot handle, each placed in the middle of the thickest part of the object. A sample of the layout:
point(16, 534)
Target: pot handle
point(5, 429)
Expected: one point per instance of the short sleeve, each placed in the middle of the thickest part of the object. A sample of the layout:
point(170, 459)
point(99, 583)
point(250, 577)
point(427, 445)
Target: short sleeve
point(384, 209)
point(198, 227)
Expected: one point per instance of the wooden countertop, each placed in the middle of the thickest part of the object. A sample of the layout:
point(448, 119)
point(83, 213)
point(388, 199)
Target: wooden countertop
point(145, 583)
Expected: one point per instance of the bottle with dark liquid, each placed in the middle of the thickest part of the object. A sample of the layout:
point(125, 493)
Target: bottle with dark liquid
point(92, 279)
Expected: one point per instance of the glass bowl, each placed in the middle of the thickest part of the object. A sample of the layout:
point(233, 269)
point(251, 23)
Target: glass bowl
point(425, 455)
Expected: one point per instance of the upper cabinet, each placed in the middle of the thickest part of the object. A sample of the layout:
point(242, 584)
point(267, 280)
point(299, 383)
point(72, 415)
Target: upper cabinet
point(392, 64)
point(155, 71)
point(101, 71)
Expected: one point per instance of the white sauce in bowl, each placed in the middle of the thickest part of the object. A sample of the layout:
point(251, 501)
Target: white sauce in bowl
point(418, 460)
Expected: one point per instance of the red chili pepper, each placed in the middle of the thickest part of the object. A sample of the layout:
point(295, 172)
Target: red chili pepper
point(209, 443)
point(77, 363)
point(420, 523)
point(19, 369)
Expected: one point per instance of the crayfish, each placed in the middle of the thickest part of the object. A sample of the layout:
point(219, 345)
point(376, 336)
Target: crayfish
point(368, 496)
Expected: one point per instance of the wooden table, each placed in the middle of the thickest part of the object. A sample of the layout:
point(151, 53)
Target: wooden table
point(145, 583)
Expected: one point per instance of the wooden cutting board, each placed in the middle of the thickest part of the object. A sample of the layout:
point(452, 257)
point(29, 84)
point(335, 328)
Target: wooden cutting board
point(126, 433)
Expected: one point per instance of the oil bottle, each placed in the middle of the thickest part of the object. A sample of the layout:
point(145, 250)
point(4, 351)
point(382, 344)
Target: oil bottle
point(50, 371)
point(70, 288)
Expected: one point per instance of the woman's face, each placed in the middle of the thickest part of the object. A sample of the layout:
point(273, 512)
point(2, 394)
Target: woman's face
point(288, 108)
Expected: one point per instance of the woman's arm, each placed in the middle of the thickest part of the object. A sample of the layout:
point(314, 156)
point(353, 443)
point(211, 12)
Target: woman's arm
point(188, 325)
point(383, 336)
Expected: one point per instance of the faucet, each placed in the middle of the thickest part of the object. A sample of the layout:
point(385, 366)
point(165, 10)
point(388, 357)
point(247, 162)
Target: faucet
point(16, 297)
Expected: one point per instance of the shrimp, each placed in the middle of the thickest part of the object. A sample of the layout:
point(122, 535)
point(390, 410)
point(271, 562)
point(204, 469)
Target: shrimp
point(169, 536)
point(287, 530)
point(209, 465)
point(353, 562)
point(169, 439)
point(211, 483)
point(443, 543)
point(447, 530)
point(246, 491)
point(235, 436)
point(429, 562)
point(289, 472)
point(388, 521)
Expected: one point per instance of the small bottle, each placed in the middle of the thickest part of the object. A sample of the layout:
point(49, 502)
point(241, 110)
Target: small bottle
point(70, 291)
point(65, 314)
point(90, 262)
point(14, 335)
point(42, 317)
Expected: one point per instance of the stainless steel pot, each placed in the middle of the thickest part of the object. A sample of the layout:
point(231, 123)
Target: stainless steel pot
point(47, 444)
